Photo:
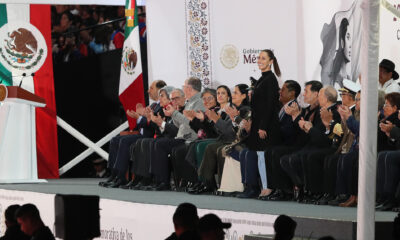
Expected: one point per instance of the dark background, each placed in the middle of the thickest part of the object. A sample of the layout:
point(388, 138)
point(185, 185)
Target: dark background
point(87, 99)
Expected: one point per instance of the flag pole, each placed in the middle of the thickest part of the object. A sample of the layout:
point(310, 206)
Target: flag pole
point(368, 114)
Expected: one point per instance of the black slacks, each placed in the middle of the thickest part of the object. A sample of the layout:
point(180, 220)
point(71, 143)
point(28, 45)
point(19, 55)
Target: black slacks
point(330, 171)
point(347, 173)
point(313, 167)
point(141, 153)
point(277, 177)
point(161, 167)
point(388, 173)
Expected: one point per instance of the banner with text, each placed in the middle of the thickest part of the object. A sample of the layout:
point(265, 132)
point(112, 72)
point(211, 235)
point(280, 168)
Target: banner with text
point(121, 220)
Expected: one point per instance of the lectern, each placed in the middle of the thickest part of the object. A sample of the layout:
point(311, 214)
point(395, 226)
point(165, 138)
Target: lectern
point(18, 163)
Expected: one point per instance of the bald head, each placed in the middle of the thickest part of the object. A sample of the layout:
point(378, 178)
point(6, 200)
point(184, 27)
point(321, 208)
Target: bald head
point(327, 96)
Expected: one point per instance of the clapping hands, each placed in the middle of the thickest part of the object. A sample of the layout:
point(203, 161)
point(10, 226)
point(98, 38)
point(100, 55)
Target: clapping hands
point(157, 119)
point(169, 111)
point(232, 112)
point(213, 116)
point(189, 114)
point(386, 127)
point(326, 116)
point(292, 110)
point(344, 112)
point(305, 125)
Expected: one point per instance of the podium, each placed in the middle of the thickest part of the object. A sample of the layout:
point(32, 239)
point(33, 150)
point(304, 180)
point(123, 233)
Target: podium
point(18, 160)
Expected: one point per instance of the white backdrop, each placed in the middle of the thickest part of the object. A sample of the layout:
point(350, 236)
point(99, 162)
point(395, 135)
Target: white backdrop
point(389, 41)
point(244, 28)
point(255, 25)
point(291, 28)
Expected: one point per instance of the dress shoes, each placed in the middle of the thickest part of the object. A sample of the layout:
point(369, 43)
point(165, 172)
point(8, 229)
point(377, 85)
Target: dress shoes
point(280, 196)
point(139, 186)
point(325, 199)
point(107, 181)
point(265, 197)
point(249, 193)
point(192, 187)
point(203, 189)
point(298, 194)
point(161, 187)
point(129, 185)
point(388, 205)
point(351, 202)
point(396, 209)
point(341, 198)
point(226, 194)
point(149, 187)
point(313, 198)
point(116, 183)
point(307, 198)
point(181, 187)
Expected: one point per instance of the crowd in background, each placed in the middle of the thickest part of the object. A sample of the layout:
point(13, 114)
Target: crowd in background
point(78, 30)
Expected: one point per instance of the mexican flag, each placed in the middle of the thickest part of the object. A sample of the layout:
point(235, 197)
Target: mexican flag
point(30, 43)
point(131, 89)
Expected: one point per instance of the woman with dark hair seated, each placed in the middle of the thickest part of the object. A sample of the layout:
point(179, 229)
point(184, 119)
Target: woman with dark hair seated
point(213, 161)
point(184, 158)
point(388, 166)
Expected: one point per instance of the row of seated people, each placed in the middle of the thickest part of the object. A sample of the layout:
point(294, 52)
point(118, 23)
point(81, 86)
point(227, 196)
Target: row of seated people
point(201, 137)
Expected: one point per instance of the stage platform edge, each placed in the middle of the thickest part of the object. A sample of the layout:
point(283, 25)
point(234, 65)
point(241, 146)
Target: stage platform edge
point(135, 214)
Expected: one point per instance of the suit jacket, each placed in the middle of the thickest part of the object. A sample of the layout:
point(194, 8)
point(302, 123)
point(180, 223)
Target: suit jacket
point(288, 128)
point(320, 136)
point(170, 130)
point(384, 142)
point(206, 126)
point(307, 114)
point(185, 131)
point(145, 126)
point(395, 135)
point(265, 108)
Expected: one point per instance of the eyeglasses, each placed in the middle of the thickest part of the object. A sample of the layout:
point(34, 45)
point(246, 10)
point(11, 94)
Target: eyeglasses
point(208, 99)
point(175, 98)
point(358, 99)
point(387, 105)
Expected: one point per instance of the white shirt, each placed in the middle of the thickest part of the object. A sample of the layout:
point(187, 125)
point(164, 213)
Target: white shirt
point(390, 86)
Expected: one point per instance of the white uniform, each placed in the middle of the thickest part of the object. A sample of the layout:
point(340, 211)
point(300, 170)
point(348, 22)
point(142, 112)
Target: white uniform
point(390, 86)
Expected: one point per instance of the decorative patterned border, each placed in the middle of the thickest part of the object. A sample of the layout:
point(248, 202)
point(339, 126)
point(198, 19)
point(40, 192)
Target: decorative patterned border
point(198, 40)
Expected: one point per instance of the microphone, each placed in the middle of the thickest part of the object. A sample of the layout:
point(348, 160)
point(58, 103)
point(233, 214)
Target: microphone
point(23, 76)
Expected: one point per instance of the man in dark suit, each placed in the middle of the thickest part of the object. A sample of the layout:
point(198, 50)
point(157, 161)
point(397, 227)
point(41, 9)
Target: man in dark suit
point(118, 159)
point(277, 179)
point(143, 150)
point(160, 165)
point(310, 116)
point(323, 142)
point(282, 181)
point(348, 94)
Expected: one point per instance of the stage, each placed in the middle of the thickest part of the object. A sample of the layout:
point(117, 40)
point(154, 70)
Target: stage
point(135, 214)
